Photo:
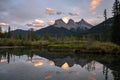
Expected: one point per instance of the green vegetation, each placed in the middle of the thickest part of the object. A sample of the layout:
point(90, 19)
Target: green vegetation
point(105, 46)
point(116, 24)
point(64, 44)
point(96, 46)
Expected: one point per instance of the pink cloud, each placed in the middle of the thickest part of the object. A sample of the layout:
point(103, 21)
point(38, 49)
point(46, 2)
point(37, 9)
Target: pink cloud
point(51, 22)
point(50, 10)
point(94, 4)
point(37, 23)
point(4, 24)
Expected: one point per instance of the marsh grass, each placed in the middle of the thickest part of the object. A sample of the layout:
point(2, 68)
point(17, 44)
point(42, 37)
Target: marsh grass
point(64, 44)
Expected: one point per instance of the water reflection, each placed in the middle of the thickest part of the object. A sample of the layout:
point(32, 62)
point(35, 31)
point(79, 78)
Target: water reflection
point(47, 66)
point(39, 61)
point(49, 75)
point(65, 66)
point(3, 60)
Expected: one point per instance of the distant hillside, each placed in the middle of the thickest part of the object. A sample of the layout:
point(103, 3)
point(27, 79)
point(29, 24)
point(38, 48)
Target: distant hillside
point(54, 31)
point(20, 31)
point(100, 27)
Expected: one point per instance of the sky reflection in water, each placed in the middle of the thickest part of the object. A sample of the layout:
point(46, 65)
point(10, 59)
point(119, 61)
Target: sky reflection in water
point(24, 67)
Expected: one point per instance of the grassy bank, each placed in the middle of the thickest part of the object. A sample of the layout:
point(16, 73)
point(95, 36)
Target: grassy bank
point(64, 45)
point(18, 42)
point(107, 47)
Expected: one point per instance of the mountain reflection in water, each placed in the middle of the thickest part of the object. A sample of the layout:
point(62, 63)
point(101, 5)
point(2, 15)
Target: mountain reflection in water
point(20, 64)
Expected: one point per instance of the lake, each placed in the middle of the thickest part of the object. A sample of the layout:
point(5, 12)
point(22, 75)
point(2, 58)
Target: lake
point(34, 64)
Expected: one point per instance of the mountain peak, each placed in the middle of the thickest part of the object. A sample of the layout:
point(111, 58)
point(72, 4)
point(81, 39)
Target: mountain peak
point(70, 21)
point(59, 20)
point(73, 25)
point(59, 23)
point(84, 24)
point(83, 20)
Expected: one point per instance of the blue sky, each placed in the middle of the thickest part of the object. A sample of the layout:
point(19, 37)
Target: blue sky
point(25, 14)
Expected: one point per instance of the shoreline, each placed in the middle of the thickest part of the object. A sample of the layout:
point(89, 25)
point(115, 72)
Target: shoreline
point(8, 47)
point(54, 49)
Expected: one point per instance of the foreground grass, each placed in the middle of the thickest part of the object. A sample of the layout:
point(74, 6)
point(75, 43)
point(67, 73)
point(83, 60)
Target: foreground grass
point(95, 46)
point(58, 44)
point(18, 42)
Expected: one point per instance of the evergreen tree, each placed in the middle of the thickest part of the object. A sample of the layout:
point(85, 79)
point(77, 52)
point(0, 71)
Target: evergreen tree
point(105, 37)
point(5, 34)
point(116, 24)
point(105, 14)
point(119, 8)
point(31, 34)
point(116, 8)
point(0, 29)
point(0, 32)
point(9, 33)
point(9, 29)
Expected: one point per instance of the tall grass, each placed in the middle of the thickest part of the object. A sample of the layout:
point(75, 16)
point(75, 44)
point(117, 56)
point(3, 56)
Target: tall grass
point(64, 44)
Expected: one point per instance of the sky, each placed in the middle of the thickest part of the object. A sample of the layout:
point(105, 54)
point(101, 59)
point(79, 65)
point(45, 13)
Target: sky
point(37, 14)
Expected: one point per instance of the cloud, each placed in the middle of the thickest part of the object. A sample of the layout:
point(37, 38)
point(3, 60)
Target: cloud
point(51, 22)
point(93, 13)
point(66, 19)
point(58, 13)
point(4, 24)
point(37, 23)
point(19, 12)
point(73, 14)
point(3, 4)
point(94, 4)
point(95, 21)
point(50, 11)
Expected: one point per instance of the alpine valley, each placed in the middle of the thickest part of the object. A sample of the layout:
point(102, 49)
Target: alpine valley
point(60, 28)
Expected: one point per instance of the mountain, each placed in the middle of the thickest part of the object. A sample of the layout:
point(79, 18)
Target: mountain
point(59, 23)
point(54, 31)
point(20, 31)
point(71, 24)
point(100, 27)
point(83, 25)
point(50, 30)
point(60, 28)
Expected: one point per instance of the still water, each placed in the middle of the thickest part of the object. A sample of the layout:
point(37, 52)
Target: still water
point(33, 64)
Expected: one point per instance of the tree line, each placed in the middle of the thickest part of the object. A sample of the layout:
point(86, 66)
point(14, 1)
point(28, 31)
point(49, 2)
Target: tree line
point(116, 24)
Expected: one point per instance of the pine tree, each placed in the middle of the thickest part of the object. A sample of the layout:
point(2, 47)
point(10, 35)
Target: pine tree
point(9, 33)
point(31, 34)
point(119, 8)
point(9, 29)
point(116, 24)
point(0, 30)
point(105, 25)
point(116, 8)
point(105, 14)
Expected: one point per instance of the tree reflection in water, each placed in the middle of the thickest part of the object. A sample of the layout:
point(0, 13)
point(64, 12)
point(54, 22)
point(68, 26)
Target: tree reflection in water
point(92, 63)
